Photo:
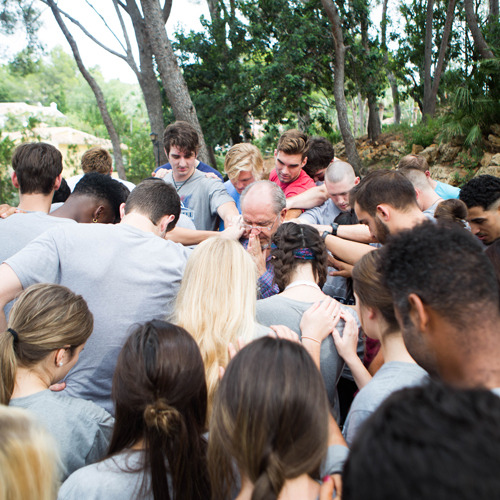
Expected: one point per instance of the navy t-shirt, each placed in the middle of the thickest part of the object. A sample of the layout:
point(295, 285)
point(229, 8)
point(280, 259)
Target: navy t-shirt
point(201, 166)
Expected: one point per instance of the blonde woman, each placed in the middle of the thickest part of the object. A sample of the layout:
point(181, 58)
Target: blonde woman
point(48, 327)
point(28, 458)
point(216, 303)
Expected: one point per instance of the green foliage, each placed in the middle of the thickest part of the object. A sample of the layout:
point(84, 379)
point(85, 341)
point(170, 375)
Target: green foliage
point(8, 194)
point(423, 134)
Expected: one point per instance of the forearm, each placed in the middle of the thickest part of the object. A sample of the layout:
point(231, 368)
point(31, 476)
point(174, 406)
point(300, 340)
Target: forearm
point(347, 251)
point(189, 237)
point(308, 199)
point(359, 372)
point(314, 349)
point(227, 211)
point(10, 286)
point(356, 232)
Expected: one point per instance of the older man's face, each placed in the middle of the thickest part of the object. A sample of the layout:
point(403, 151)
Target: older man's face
point(259, 214)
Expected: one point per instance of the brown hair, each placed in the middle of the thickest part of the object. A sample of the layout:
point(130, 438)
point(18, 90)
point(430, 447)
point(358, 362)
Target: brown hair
point(293, 142)
point(415, 162)
point(44, 318)
point(154, 199)
point(97, 160)
point(37, 166)
point(493, 253)
point(270, 417)
point(451, 212)
point(370, 289)
point(319, 155)
point(290, 237)
point(384, 186)
point(182, 135)
point(160, 397)
point(28, 457)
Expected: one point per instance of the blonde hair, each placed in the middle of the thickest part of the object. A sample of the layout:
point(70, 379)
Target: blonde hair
point(28, 458)
point(244, 157)
point(216, 303)
point(44, 318)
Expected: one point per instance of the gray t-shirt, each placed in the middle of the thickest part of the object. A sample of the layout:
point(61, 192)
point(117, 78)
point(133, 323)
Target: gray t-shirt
point(81, 428)
point(127, 276)
point(324, 214)
point(200, 198)
point(279, 310)
point(391, 377)
point(18, 230)
point(429, 213)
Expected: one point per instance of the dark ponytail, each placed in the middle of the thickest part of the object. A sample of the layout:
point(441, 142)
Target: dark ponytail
point(451, 212)
point(160, 397)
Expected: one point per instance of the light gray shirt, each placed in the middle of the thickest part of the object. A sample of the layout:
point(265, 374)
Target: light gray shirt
point(324, 214)
point(200, 198)
point(18, 230)
point(81, 428)
point(429, 213)
point(391, 377)
point(279, 310)
point(127, 276)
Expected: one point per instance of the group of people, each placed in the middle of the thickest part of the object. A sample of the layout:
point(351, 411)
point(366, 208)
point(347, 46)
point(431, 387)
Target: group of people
point(306, 336)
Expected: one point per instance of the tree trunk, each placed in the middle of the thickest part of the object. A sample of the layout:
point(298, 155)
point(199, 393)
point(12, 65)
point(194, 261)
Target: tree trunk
point(147, 77)
point(494, 11)
point(374, 127)
point(479, 41)
point(427, 111)
point(352, 105)
point(101, 103)
point(304, 121)
point(170, 73)
point(361, 109)
point(338, 84)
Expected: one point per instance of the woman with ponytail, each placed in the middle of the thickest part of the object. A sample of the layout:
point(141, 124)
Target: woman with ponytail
point(47, 329)
point(158, 448)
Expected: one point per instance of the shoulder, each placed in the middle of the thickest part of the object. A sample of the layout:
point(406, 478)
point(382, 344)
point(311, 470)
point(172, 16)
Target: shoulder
point(207, 168)
point(86, 411)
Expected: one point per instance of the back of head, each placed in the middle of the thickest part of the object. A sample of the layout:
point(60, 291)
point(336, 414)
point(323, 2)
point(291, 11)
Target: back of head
point(451, 211)
point(417, 178)
point(216, 302)
point(447, 268)
point(482, 191)
point(371, 290)
point(339, 171)
point(493, 253)
point(45, 317)
point(319, 155)
point(28, 458)
point(61, 194)
point(415, 162)
point(160, 397)
point(296, 244)
point(384, 187)
point(244, 157)
point(427, 442)
point(154, 199)
point(265, 191)
point(293, 142)
point(102, 189)
point(183, 136)
point(97, 160)
point(37, 166)
point(271, 420)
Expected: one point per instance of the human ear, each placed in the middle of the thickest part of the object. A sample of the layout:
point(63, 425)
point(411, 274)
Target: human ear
point(122, 211)
point(384, 212)
point(57, 183)
point(356, 181)
point(97, 213)
point(165, 221)
point(418, 313)
point(59, 357)
point(15, 182)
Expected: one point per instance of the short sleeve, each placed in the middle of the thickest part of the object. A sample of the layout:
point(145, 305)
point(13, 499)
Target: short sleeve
point(218, 195)
point(334, 461)
point(102, 438)
point(311, 216)
point(38, 262)
point(355, 420)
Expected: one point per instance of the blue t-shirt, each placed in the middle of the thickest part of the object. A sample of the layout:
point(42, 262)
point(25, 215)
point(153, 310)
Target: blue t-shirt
point(446, 191)
point(203, 167)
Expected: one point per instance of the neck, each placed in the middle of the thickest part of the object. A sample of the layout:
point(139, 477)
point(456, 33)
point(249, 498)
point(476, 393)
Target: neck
point(433, 183)
point(29, 381)
point(428, 199)
point(394, 349)
point(35, 202)
point(186, 176)
point(407, 220)
point(76, 208)
point(303, 272)
point(140, 222)
point(299, 488)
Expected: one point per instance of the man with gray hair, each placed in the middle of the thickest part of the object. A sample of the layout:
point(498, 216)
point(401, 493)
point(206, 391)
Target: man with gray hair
point(263, 210)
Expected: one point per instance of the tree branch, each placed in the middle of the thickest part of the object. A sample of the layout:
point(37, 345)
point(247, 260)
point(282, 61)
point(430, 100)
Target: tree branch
point(105, 24)
point(130, 56)
point(166, 10)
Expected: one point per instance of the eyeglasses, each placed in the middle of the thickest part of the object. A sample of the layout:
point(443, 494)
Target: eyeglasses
point(249, 227)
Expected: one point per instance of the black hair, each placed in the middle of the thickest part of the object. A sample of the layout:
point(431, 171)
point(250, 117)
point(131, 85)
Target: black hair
point(154, 199)
point(445, 266)
point(347, 218)
point(103, 187)
point(430, 442)
point(290, 237)
point(61, 194)
point(319, 155)
point(481, 191)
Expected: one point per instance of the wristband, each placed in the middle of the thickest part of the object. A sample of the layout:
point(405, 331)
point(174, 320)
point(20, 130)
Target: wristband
point(335, 227)
point(325, 234)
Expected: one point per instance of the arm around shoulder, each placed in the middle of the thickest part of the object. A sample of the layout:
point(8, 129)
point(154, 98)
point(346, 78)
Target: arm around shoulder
point(10, 286)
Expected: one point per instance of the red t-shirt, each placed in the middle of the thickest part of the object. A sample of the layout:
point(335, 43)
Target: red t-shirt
point(302, 183)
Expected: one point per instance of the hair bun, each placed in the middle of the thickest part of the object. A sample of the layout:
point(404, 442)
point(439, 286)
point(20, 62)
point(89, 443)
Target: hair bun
point(161, 415)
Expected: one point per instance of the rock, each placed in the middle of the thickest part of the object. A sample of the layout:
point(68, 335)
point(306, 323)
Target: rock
point(494, 140)
point(416, 149)
point(366, 152)
point(495, 129)
point(396, 146)
point(495, 160)
point(448, 152)
point(458, 140)
point(339, 149)
point(430, 153)
point(491, 170)
point(486, 159)
point(446, 174)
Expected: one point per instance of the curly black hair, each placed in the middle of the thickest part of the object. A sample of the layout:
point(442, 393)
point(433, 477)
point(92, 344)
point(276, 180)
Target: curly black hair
point(103, 187)
point(481, 191)
point(290, 237)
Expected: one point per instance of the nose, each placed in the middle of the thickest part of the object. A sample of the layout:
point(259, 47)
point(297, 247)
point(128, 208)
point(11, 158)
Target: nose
point(474, 228)
point(182, 162)
point(255, 231)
